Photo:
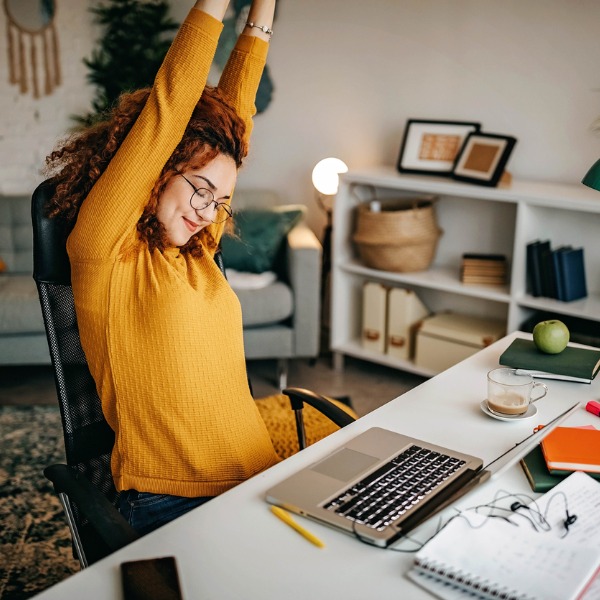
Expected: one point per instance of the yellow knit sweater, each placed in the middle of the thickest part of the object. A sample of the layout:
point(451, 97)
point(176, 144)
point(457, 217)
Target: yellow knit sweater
point(162, 332)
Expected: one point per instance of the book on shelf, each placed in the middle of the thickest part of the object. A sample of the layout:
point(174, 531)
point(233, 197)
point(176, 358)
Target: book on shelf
point(572, 269)
point(572, 364)
point(488, 269)
point(549, 274)
point(539, 477)
point(558, 278)
point(555, 273)
point(534, 251)
point(568, 449)
point(478, 557)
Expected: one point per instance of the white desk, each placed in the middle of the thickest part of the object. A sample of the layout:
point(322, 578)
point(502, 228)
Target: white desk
point(234, 548)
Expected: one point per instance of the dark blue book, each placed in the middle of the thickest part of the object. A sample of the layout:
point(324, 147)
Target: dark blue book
point(573, 274)
point(534, 274)
point(558, 274)
point(550, 281)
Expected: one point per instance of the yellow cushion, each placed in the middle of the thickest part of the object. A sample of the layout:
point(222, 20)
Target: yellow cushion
point(281, 423)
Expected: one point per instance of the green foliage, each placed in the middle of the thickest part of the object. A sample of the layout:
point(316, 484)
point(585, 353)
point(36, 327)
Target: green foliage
point(134, 43)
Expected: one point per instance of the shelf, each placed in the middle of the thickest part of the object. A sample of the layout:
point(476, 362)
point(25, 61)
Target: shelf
point(354, 348)
point(501, 220)
point(437, 278)
point(547, 194)
point(586, 308)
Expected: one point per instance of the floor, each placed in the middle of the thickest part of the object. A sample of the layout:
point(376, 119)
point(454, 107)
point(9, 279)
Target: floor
point(368, 385)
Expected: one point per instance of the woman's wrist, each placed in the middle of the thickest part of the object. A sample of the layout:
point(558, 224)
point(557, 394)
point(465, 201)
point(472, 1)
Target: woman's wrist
point(260, 19)
point(214, 8)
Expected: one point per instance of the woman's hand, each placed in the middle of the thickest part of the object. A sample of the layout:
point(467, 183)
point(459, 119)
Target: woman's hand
point(214, 8)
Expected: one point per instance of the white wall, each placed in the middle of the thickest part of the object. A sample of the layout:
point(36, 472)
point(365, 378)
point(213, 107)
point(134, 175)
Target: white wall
point(348, 75)
point(29, 128)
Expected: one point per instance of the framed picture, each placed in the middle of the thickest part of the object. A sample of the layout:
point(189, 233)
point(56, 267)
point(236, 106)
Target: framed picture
point(432, 146)
point(483, 157)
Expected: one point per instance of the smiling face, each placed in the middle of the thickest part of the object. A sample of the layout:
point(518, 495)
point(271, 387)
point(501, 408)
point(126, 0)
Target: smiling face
point(175, 212)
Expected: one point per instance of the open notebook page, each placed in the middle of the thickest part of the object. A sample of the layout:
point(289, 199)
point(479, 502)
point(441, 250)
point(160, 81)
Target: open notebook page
point(530, 552)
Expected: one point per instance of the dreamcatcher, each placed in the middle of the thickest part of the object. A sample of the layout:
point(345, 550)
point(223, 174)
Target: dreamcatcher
point(32, 46)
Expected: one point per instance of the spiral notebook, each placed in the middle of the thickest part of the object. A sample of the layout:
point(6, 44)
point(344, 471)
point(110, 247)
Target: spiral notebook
point(500, 560)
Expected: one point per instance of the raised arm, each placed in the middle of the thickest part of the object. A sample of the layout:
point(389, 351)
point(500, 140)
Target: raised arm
point(241, 75)
point(214, 8)
point(109, 214)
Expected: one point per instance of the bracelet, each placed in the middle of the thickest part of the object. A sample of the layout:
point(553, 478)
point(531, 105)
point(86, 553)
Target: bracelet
point(263, 28)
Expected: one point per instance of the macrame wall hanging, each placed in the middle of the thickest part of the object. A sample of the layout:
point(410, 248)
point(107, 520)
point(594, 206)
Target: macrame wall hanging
point(33, 58)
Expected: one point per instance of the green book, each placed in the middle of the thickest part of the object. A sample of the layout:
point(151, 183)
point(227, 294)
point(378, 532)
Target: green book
point(536, 471)
point(572, 364)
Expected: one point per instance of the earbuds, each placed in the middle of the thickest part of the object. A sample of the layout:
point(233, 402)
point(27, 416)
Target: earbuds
point(569, 520)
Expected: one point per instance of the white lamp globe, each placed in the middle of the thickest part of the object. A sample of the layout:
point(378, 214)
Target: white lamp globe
point(325, 175)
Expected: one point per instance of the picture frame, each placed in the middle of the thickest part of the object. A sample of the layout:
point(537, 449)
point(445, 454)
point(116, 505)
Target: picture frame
point(483, 157)
point(431, 147)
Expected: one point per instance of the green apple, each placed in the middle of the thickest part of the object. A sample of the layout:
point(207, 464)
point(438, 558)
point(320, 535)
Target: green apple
point(551, 336)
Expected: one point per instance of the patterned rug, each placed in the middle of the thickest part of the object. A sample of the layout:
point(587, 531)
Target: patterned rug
point(35, 544)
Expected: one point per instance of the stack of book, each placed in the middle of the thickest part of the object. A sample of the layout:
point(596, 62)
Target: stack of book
point(556, 273)
point(564, 450)
point(483, 269)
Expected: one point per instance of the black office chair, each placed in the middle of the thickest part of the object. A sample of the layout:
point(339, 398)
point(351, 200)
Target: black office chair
point(85, 485)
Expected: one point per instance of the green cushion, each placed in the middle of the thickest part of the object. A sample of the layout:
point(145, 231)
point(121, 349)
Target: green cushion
point(259, 234)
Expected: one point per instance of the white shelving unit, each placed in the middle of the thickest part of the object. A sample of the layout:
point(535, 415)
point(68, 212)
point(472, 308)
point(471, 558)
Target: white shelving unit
point(474, 218)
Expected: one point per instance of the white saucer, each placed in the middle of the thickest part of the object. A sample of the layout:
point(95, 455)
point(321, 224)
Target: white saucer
point(531, 412)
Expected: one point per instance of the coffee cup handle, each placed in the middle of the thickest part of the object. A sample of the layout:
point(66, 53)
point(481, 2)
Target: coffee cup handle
point(544, 391)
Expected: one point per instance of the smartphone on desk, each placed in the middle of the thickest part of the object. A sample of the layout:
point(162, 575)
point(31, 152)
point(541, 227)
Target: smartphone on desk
point(151, 579)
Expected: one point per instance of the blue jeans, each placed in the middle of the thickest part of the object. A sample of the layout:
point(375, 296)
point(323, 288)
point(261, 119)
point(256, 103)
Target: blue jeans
point(146, 512)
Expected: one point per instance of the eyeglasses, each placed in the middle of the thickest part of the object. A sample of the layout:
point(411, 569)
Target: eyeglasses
point(203, 198)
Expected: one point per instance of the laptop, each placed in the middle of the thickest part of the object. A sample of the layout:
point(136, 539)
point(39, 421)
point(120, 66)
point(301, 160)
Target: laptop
point(381, 484)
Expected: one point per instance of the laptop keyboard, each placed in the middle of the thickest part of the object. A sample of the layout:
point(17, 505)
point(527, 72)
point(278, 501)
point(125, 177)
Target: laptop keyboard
point(385, 495)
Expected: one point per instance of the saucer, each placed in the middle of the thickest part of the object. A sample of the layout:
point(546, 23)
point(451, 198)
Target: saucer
point(531, 412)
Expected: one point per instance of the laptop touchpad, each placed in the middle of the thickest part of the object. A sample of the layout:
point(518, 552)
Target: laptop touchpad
point(345, 464)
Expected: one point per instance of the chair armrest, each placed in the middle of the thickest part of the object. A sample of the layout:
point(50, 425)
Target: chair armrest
point(304, 252)
point(108, 522)
point(298, 396)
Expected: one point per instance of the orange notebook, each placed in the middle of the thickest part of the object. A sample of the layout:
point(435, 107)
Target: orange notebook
point(572, 449)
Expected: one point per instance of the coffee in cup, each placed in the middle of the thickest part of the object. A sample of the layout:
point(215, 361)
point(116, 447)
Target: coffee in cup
point(510, 393)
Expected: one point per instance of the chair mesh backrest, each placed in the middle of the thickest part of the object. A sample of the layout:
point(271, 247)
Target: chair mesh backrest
point(88, 437)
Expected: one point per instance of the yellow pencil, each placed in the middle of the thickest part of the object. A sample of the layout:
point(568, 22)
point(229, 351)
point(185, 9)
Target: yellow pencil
point(287, 518)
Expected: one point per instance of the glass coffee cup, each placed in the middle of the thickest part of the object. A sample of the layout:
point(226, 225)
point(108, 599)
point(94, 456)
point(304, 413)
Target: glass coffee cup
point(510, 393)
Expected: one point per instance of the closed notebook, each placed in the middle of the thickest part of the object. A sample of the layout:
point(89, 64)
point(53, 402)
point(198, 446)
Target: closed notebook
point(495, 560)
point(569, 449)
point(574, 364)
point(537, 473)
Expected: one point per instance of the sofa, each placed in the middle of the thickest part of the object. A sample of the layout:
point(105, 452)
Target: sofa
point(281, 319)
point(22, 334)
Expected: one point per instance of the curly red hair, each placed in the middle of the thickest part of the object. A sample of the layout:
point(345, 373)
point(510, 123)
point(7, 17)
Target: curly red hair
point(214, 128)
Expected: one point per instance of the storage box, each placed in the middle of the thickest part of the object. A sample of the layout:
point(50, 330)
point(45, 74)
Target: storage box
point(405, 313)
point(374, 310)
point(447, 338)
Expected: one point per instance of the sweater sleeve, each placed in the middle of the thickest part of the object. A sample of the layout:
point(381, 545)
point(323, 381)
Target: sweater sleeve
point(109, 214)
point(241, 76)
point(239, 83)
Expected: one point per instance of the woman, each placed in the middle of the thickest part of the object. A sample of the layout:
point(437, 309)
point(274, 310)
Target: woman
point(161, 328)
